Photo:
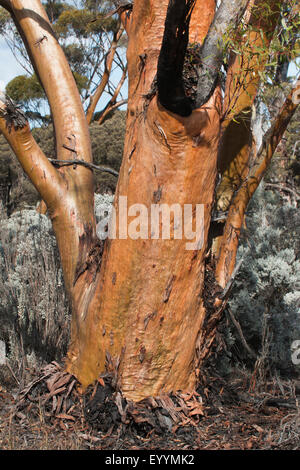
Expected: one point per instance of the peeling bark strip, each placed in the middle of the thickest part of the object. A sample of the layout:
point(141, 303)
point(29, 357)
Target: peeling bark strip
point(90, 255)
point(171, 58)
point(13, 115)
point(157, 195)
point(132, 152)
point(149, 317)
point(169, 289)
point(163, 134)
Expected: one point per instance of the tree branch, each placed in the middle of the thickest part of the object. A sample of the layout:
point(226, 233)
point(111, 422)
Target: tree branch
point(124, 10)
point(108, 65)
point(112, 102)
point(229, 245)
point(229, 12)
point(171, 58)
point(6, 4)
point(15, 128)
point(110, 107)
point(55, 75)
point(240, 331)
point(91, 166)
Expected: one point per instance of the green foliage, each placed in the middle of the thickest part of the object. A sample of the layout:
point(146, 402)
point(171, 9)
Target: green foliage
point(54, 9)
point(83, 22)
point(284, 46)
point(4, 18)
point(22, 89)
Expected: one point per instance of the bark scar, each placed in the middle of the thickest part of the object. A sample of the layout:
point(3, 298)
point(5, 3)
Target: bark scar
point(149, 317)
point(90, 255)
point(163, 134)
point(169, 289)
point(39, 41)
point(157, 195)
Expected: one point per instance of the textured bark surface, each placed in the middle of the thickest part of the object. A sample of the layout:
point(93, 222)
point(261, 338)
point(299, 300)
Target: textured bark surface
point(143, 310)
point(149, 314)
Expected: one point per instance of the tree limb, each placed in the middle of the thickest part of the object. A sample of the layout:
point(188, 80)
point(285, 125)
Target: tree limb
point(6, 4)
point(229, 244)
point(112, 102)
point(110, 107)
point(54, 73)
point(124, 10)
point(105, 169)
point(240, 331)
point(15, 128)
point(229, 12)
point(108, 65)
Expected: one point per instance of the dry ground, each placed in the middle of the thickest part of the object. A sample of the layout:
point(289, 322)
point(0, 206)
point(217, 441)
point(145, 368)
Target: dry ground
point(223, 415)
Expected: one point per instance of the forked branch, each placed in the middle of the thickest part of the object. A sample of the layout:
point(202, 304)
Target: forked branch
point(105, 77)
point(229, 245)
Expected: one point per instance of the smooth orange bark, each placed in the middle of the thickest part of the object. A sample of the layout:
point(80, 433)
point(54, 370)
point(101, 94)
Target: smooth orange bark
point(138, 308)
point(149, 314)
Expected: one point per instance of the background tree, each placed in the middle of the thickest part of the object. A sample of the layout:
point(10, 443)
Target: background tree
point(147, 310)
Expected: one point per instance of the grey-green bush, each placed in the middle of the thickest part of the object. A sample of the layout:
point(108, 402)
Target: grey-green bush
point(266, 295)
point(34, 313)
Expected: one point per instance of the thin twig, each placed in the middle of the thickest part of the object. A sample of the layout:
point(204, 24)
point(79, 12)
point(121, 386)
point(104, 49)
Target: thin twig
point(230, 282)
point(91, 166)
point(240, 331)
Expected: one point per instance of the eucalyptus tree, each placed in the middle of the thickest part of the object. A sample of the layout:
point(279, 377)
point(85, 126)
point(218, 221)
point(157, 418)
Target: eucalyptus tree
point(144, 305)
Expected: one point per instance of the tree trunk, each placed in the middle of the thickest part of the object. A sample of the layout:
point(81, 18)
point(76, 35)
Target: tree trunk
point(143, 309)
point(147, 311)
